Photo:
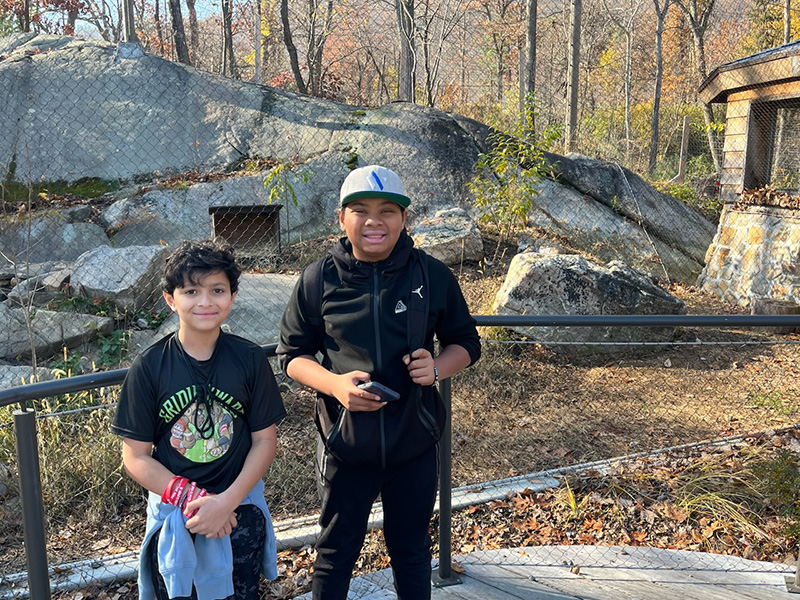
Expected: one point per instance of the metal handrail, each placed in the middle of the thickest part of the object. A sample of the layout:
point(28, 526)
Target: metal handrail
point(78, 383)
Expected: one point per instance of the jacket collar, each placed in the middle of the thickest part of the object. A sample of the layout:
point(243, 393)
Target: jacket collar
point(354, 271)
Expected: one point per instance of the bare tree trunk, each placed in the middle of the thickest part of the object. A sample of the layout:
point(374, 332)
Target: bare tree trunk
point(317, 36)
point(257, 43)
point(25, 18)
point(787, 21)
point(573, 65)
point(72, 17)
point(699, 18)
point(381, 71)
point(291, 49)
point(405, 21)
point(500, 66)
point(708, 113)
point(159, 29)
point(228, 65)
point(194, 40)
point(661, 15)
point(531, 10)
point(178, 34)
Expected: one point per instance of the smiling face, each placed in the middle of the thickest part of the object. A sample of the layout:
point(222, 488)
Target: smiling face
point(204, 305)
point(373, 226)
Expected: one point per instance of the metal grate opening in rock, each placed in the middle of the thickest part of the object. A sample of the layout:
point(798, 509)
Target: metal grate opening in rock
point(253, 231)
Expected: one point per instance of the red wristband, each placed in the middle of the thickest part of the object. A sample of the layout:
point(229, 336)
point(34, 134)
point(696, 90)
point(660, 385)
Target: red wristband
point(200, 492)
point(173, 493)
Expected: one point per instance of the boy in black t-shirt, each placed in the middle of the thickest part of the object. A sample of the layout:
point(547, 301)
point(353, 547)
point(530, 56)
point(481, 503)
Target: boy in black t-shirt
point(197, 415)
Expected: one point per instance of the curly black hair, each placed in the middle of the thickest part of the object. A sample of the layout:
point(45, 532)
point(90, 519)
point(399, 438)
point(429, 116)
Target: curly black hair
point(192, 260)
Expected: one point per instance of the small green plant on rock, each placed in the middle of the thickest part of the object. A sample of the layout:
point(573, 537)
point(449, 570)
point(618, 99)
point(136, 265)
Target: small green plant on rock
point(280, 182)
point(506, 176)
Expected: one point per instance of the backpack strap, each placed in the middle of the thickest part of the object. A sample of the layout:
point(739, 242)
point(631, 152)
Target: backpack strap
point(313, 283)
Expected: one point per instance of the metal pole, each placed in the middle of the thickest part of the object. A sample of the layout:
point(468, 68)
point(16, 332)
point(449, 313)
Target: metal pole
point(445, 576)
point(30, 491)
point(684, 150)
point(791, 585)
point(573, 66)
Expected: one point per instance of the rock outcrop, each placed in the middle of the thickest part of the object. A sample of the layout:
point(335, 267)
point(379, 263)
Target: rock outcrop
point(567, 284)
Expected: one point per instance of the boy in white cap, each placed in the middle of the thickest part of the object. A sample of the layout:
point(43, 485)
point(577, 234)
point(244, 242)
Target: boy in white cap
point(372, 309)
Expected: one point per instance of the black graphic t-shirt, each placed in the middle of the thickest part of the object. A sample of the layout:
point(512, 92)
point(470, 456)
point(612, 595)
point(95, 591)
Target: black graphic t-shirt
point(199, 415)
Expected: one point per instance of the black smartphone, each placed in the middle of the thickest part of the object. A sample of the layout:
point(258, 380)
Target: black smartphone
point(386, 394)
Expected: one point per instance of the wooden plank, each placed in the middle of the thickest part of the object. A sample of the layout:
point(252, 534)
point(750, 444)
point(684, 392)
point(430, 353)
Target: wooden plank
point(684, 573)
point(657, 582)
point(603, 573)
point(735, 142)
point(774, 91)
point(730, 575)
point(735, 127)
point(734, 161)
point(508, 584)
point(548, 572)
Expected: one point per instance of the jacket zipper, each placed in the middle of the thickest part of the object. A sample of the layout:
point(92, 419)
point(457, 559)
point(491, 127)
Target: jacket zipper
point(378, 355)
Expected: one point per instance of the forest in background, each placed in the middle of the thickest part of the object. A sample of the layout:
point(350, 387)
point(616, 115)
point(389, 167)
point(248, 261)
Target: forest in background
point(638, 63)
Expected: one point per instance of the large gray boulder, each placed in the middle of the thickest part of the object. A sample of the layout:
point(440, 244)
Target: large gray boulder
point(51, 331)
point(451, 235)
point(41, 290)
point(128, 276)
point(132, 116)
point(660, 216)
point(46, 239)
point(559, 284)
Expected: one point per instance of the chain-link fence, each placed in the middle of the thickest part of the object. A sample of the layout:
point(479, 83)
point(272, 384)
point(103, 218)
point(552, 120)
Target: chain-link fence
point(240, 120)
point(112, 150)
point(553, 445)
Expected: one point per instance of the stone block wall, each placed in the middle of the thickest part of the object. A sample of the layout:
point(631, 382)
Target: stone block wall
point(755, 253)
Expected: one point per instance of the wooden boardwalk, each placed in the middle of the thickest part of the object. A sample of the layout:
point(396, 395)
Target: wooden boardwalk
point(599, 573)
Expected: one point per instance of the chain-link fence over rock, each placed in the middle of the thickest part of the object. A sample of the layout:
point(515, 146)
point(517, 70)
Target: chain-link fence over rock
point(48, 238)
point(97, 274)
point(47, 331)
point(451, 235)
point(41, 290)
point(174, 145)
point(548, 284)
point(146, 116)
point(612, 213)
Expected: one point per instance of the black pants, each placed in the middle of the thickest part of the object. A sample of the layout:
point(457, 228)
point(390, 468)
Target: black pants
point(408, 493)
point(247, 543)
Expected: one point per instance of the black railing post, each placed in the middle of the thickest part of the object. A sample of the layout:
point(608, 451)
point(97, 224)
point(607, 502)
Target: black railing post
point(444, 576)
point(30, 491)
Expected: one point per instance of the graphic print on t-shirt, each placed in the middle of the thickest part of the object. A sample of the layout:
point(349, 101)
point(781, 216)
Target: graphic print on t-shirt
point(196, 435)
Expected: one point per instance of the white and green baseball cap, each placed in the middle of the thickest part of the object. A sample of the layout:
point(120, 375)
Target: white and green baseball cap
point(373, 181)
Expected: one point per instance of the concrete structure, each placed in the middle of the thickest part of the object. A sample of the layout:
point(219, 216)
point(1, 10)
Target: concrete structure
point(754, 253)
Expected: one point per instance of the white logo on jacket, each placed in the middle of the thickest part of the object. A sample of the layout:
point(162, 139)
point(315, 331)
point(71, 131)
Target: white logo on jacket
point(400, 307)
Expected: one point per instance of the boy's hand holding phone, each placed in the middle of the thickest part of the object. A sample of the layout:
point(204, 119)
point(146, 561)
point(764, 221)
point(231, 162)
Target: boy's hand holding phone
point(386, 394)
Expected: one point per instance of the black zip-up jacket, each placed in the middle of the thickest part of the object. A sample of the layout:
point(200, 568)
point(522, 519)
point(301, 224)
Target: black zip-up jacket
point(365, 317)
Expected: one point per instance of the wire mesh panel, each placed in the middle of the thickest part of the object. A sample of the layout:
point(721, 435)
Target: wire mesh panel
point(656, 134)
point(690, 446)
